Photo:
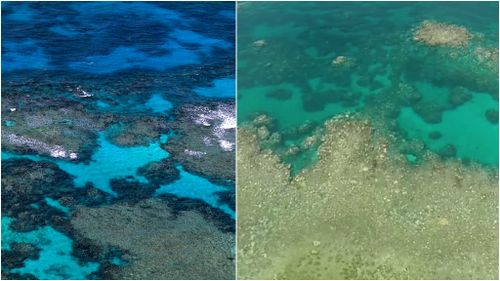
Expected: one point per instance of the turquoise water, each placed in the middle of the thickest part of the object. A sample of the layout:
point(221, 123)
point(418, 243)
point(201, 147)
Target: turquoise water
point(287, 70)
point(158, 104)
point(57, 205)
point(113, 162)
point(223, 88)
point(55, 260)
point(195, 187)
point(108, 162)
point(458, 127)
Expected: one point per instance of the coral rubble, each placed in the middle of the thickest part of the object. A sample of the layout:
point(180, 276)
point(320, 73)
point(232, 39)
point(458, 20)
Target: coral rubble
point(359, 213)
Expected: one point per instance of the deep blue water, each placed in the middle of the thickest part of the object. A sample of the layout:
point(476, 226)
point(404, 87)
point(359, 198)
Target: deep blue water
point(105, 37)
point(92, 94)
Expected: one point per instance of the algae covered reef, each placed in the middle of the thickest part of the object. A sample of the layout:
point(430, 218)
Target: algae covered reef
point(118, 140)
point(367, 140)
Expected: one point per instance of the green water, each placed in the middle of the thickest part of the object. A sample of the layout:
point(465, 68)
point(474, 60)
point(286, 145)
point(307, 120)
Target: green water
point(292, 79)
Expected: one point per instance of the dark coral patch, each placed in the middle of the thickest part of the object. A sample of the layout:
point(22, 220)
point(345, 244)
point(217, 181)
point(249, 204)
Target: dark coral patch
point(161, 172)
point(492, 116)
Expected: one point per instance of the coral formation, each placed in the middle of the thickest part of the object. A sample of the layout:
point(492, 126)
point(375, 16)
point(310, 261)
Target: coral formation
point(26, 182)
point(18, 253)
point(140, 130)
point(160, 172)
point(408, 94)
point(448, 151)
point(205, 139)
point(438, 34)
point(492, 115)
point(431, 112)
point(339, 60)
point(67, 132)
point(159, 244)
point(459, 96)
point(259, 43)
point(435, 135)
point(82, 136)
point(473, 66)
point(360, 213)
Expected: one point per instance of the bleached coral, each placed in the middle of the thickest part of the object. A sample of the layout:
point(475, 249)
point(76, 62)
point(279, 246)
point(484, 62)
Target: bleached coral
point(55, 151)
point(374, 215)
point(220, 120)
point(440, 34)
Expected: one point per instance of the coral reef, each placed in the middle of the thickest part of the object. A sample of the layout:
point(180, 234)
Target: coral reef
point(43, 127)
point(431, 112)
point(407, 94)
point(492, 115)
point(138, 130)
point(473, 67)
point(440, 34)
point(459, 96)
point(204, 140)
point(131, 190)
point(40, 196)
point(18, 253)
point(160, 172)
point(26, 182)
point(82, 129)
point(448, 151)
point(339, 60)
point(359, 213)
point(435, 135)
point(159, 245)
point(259, 43)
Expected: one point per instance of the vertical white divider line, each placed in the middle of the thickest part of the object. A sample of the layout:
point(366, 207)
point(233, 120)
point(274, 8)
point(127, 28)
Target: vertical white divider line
point(236, 138)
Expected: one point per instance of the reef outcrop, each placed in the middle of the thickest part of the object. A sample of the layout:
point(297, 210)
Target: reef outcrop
point(438, 34)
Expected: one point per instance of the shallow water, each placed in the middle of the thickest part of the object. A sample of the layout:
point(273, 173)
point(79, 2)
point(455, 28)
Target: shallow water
point(367, 140)
point(55, 253)
point(92, 95)
point(293, 79)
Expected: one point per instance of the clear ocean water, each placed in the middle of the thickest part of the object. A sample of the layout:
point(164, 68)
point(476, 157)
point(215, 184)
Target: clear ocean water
point(96, 100)
point(367, 140)
point(287, 70)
